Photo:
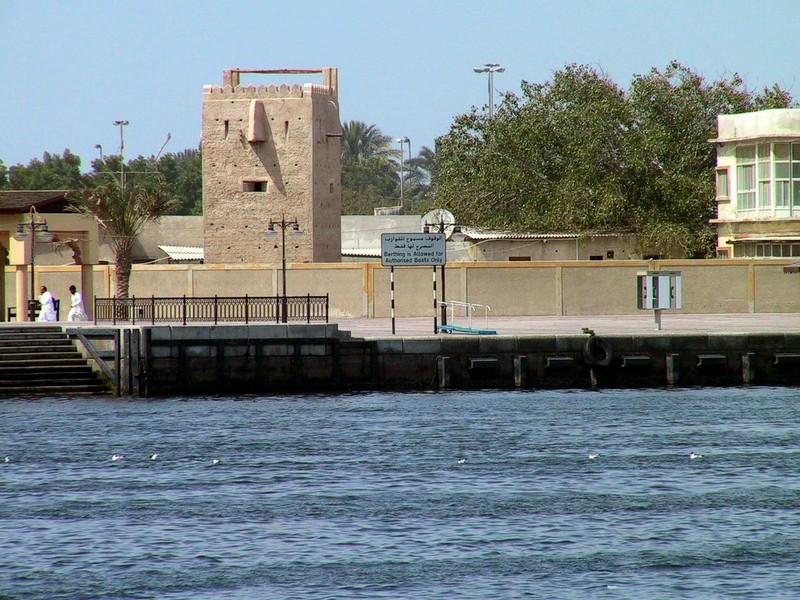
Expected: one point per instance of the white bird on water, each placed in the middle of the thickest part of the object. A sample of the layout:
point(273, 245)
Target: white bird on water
point(215, 461)
point(592, 456)
point(461, 461)
point(116, 457)
point(692, 456)
point(7, 459)
point(155, 456)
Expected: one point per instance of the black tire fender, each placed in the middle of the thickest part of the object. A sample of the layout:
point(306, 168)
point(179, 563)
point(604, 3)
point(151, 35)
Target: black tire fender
point(597, 351)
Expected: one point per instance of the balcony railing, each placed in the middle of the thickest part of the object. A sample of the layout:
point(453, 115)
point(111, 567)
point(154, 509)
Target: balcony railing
point(216, 309)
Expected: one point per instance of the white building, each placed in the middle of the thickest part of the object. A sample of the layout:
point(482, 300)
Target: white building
point(758, 184)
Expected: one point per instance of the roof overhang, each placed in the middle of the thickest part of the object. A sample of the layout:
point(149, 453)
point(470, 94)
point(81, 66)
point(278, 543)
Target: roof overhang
point(20, 201)
point(756, 138)
point(792, 268)
point(774, 239)
point(183, 253)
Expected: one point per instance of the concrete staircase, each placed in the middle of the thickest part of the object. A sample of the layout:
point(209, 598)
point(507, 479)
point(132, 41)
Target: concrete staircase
point(43, 361)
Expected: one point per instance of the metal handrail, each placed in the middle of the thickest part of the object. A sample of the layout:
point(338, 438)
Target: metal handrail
point(216, 309)
point(469, 308)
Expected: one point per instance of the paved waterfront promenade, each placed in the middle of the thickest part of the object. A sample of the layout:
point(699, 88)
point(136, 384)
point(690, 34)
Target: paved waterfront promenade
point(608, 325)
point(602, 325)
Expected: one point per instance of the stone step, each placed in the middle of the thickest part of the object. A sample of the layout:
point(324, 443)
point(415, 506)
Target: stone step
point(50, 363)
point(55, 390)
point(49, 355)
point(42, 360)
point(38, 348)
point(86, 379)
point(32, 339)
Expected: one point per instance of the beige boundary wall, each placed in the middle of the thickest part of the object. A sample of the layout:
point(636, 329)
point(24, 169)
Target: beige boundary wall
point(555, 288)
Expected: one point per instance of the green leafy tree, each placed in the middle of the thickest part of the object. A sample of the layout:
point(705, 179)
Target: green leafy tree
point(547, 161)
point(4, 185)
point(669, 163)
point(179, 175)
point(123, 212)
point(367, 185)
point(369, 177)
point(579, 154)
point(419, 171)
point(53, 172)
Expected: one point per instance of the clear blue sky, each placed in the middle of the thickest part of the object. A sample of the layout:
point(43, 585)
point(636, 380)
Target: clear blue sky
point(70, 68)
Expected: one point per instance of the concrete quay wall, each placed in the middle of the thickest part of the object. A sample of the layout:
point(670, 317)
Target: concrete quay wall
point(197, 360)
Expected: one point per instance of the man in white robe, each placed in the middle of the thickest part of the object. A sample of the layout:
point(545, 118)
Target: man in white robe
point(47, 312)
point(76, 312)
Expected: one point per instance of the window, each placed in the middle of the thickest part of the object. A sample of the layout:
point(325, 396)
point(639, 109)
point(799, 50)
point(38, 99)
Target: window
point(783, 175)
point(764, 176)
point(767, 250)
point(745, 178)
point(254, 186)
point(767, 178)
point(722, 184)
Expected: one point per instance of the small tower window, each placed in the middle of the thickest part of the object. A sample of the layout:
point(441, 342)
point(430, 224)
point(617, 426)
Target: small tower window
point(254, 186)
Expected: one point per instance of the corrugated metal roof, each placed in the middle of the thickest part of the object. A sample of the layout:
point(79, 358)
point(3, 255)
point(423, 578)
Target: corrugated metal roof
point(183, 253)
point(376, 252)
point(506, 235)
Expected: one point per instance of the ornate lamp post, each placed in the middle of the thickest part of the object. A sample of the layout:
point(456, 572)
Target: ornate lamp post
point(34, 228)
point(294, 232)
point(491, 69)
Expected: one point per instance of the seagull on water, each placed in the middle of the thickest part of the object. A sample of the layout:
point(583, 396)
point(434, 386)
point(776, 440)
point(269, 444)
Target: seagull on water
point(116, 457)
point(692, 456)
point(7, 459)
point(592, 456)
point(461, 461)
point(155, 456)
point(215, 461)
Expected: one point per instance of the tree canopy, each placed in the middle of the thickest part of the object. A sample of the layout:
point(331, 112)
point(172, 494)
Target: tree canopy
point(579, 154)
point(371, 171)
point(52, 172)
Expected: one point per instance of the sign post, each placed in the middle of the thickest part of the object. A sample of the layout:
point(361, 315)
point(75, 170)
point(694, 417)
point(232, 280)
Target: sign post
point(413, 250)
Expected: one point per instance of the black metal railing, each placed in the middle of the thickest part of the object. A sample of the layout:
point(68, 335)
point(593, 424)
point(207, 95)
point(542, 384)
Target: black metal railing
point(216, 309)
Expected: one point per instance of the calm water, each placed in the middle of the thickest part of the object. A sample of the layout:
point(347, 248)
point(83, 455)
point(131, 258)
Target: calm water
point(443, 495)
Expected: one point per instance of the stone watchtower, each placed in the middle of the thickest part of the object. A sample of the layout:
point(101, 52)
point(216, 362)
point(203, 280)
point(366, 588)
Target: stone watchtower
point(270, 151)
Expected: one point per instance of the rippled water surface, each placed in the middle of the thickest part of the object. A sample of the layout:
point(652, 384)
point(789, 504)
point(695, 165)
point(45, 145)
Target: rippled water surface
point(443, 495)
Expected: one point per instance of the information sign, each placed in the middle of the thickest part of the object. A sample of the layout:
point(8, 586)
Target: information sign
point(413, 249)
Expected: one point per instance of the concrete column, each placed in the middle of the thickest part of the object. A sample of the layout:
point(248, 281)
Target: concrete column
point(21, 299)
point(748, 367)
point(672, 369)
point(87, 290)
point(443, 371)
point(521, 371)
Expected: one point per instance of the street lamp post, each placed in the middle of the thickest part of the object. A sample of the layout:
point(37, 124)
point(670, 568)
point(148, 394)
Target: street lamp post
point(440, 228)
point(121, 124)
point(34, 228)
point(491, 69)
point(401, 141)
point(294, 232)
point(100, 147)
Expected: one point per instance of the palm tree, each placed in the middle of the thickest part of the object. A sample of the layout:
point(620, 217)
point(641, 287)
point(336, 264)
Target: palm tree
point(123, 213)
point(420, 171)
point(361, 142)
